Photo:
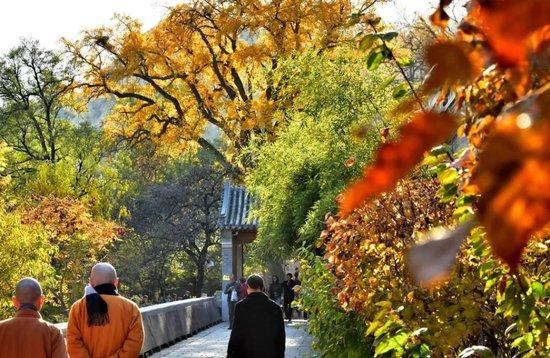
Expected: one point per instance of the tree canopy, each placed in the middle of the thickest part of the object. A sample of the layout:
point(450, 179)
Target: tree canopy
point(206, 63)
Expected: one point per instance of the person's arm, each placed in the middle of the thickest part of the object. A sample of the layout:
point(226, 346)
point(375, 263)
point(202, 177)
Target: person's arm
point(132, 345)
point(59, 350)
point(75, 343)
point(228, 288)
point(280, 333)
point(234, 345)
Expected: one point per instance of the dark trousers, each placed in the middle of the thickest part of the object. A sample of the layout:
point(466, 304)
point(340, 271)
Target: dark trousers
point(288, 309)
point(231, 305)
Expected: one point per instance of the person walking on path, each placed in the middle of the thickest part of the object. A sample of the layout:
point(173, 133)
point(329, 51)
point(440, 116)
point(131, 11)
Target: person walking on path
point(103, 323)
point(232, 292)
point(258, 329)
point(275, 290)
point(288, 291)
point(26, 334)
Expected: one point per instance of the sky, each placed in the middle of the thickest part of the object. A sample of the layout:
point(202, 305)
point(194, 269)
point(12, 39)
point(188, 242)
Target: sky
point(49, 20)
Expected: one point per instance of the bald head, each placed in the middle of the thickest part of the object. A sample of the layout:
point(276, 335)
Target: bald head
point(28, 290)
point(102, 273)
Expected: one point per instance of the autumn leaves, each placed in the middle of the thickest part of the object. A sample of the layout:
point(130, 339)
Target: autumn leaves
point(396, 159)
point(507, 166)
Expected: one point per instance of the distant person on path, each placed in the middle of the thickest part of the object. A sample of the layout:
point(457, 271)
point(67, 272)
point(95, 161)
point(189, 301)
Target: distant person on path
point(232, 292)
point(26, 334)
point(275, 290)
point(243, 291)
point(103, 323)
point(288, 290)
point(259, 329)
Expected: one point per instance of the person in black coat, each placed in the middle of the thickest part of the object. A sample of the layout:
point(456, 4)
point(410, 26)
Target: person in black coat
point(258, 328)
point(288, 291)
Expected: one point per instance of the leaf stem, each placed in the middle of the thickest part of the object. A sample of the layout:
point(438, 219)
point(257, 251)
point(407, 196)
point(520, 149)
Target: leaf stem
point(415, 94)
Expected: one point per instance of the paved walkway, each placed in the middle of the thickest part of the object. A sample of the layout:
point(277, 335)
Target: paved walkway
point(212, 343)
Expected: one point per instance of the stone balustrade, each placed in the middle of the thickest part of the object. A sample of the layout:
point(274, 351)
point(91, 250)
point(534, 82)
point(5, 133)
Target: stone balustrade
point(167, 323)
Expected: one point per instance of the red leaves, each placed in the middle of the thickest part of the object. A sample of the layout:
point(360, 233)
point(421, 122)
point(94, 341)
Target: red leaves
point(509, 24)
point(513, 177)
point(396, 159)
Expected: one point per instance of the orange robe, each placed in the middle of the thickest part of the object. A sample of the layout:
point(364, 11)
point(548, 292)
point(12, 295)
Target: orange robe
point(122, 337)
point(27, 335)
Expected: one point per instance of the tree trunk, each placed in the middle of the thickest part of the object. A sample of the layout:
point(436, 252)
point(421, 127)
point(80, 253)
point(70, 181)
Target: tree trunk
point(199, 280)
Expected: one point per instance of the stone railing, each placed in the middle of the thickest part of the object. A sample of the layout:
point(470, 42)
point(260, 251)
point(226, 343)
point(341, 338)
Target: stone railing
point(167, 323)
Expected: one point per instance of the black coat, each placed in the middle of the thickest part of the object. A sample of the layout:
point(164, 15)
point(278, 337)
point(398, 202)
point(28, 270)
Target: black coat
point(288, 288)
point(275, 290)
point(258, 329)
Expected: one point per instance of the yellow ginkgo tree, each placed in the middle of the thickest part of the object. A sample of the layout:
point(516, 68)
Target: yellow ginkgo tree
point(205, 62)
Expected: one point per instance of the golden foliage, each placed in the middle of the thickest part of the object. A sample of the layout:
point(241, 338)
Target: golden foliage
point(205, 63)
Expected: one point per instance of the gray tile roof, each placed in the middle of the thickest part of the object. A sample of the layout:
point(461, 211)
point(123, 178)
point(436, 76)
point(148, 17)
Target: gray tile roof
point(235, 210)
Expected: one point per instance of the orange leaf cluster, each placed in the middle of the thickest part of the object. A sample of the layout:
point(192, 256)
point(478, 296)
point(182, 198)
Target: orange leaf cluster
point(500, 54)
point(396, 159)
point(68, 216)
point(361, 249)
point(513, 177)
point(510, 26)
point(452, 62)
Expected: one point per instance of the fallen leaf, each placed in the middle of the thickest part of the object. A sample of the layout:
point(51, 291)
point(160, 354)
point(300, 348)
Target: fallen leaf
point(395, 159)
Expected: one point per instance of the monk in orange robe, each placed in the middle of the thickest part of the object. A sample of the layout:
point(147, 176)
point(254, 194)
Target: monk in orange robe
point(103, 323)
point(26, 334)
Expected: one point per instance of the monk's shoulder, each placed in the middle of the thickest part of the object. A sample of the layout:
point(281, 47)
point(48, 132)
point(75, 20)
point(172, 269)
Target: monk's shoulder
point(77, 306)
point(52, 328)
point(124, 302)
point(5, 322)
point(130, 303)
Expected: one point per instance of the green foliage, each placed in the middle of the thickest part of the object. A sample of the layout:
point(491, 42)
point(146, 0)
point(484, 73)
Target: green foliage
point(517, 302)
point(341, 333)
point(298, 176)
point(24, 251)
point(337, 333)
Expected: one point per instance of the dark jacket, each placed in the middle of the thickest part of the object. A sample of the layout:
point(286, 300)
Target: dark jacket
point(288, 288)
point(275, 290)
point(230, 287)
point(258, 329)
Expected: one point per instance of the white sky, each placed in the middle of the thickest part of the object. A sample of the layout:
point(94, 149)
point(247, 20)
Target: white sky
point(49, 20)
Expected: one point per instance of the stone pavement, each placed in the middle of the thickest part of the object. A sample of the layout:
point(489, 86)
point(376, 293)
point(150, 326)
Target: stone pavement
point(212, 343)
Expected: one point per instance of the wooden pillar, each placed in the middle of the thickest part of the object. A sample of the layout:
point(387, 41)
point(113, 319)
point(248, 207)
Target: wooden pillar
point(237, 258)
